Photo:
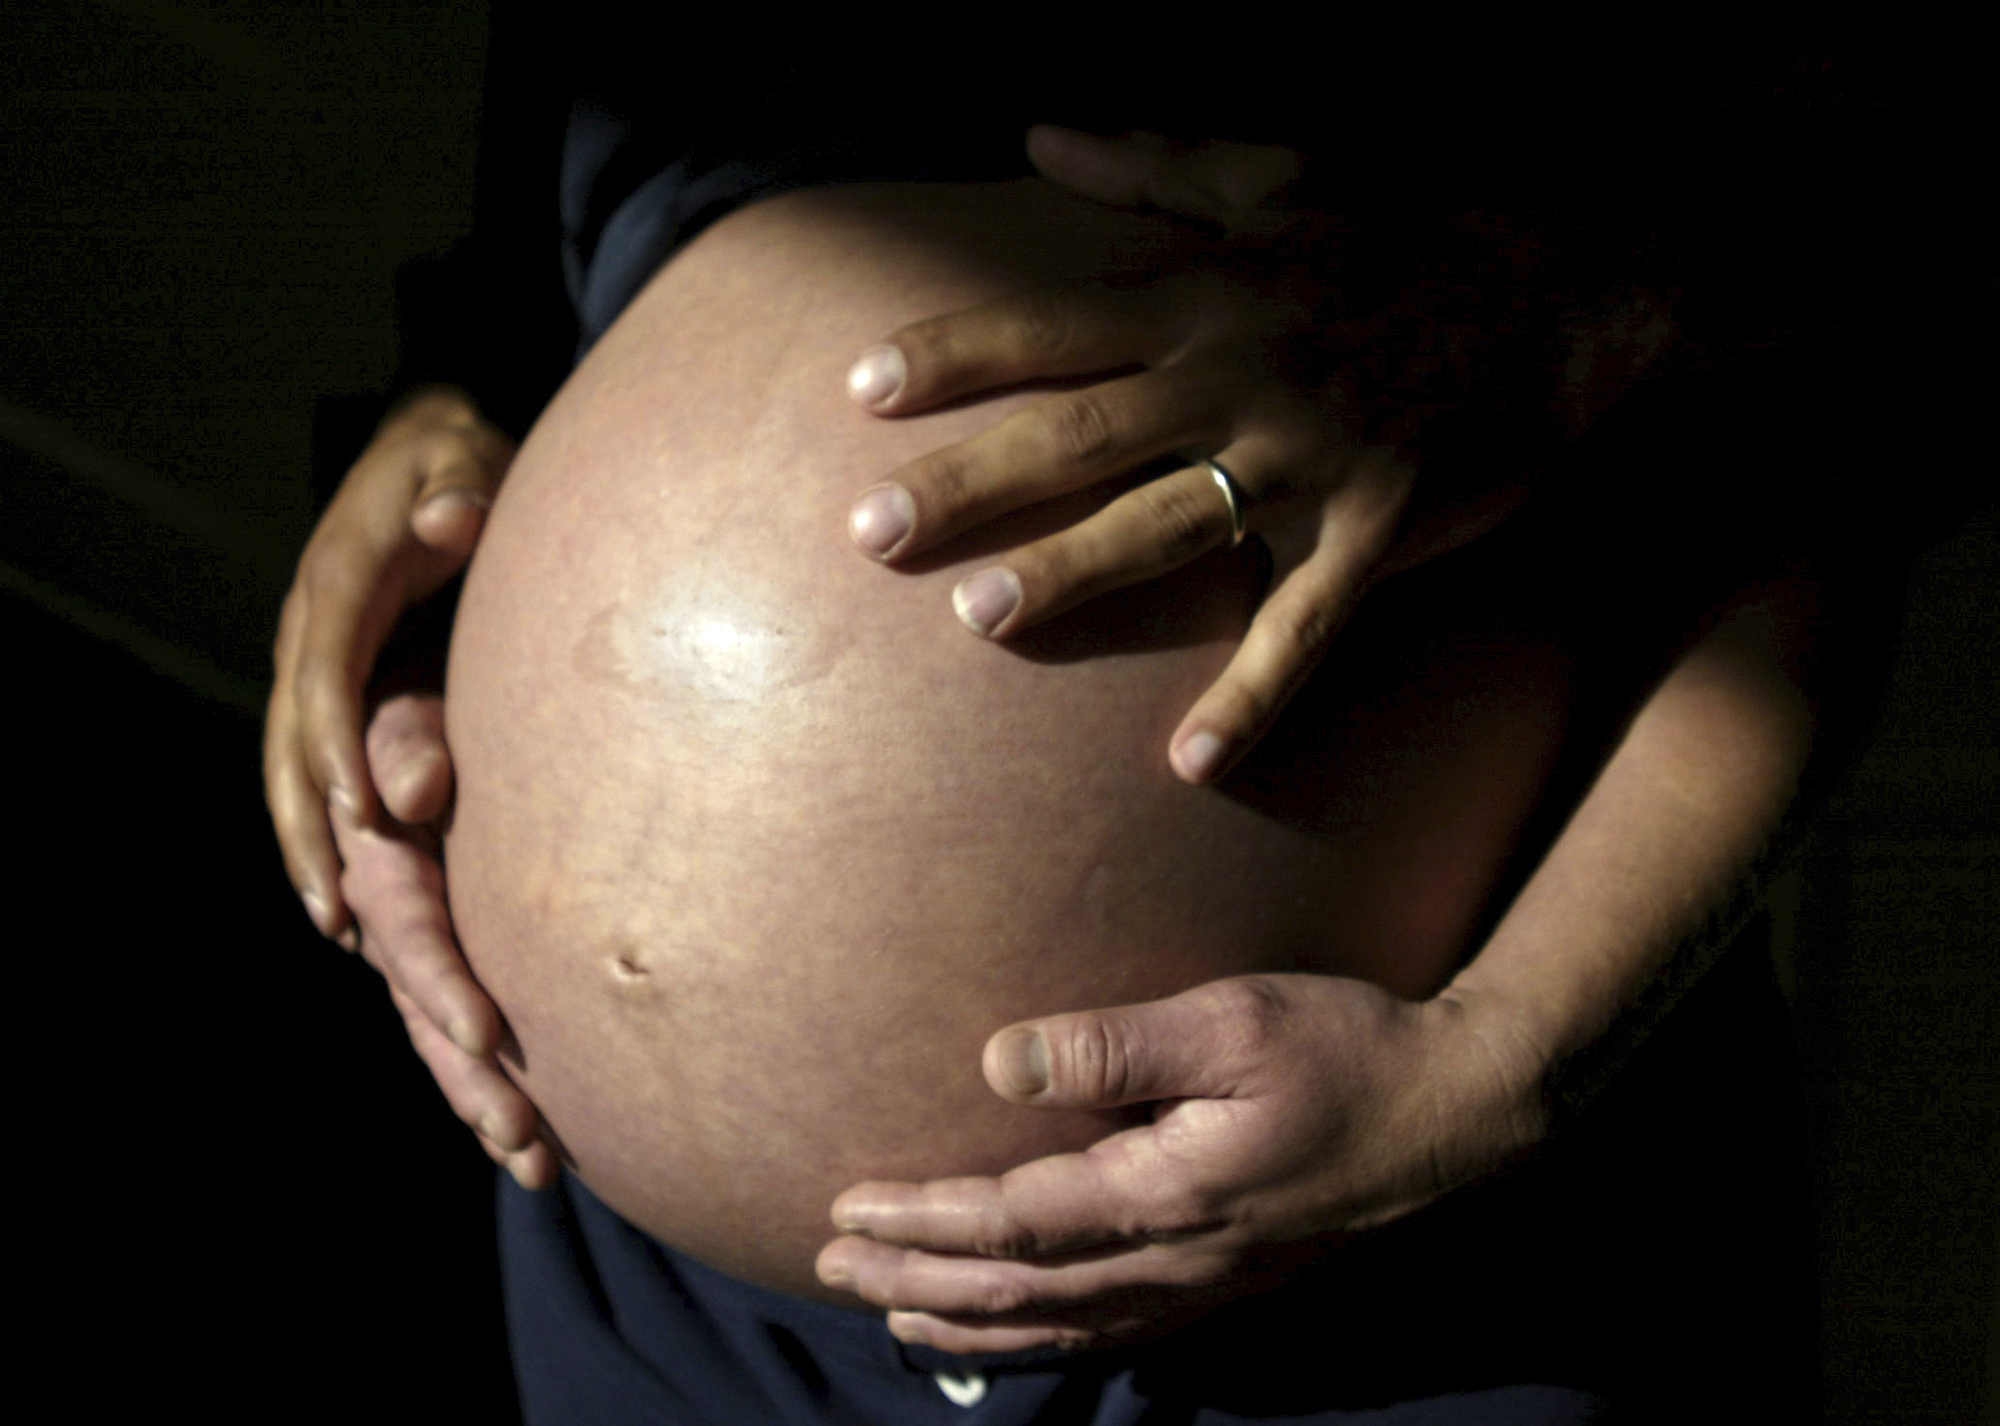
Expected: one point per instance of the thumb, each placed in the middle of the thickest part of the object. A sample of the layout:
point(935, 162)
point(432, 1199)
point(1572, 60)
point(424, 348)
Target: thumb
point(458, 490)
point(1192, 1046)
point(408, 760)
point(1115, 171)
point(1227, 184)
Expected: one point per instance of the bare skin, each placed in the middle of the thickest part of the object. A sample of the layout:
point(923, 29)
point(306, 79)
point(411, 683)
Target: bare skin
point(754, 851)
point(1302, 1107)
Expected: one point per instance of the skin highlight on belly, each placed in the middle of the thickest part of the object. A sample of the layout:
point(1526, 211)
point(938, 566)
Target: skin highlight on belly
point(755, 845)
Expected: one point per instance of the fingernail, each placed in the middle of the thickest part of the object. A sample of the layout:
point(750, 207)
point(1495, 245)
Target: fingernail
point(349, 940)
point(461, 1035)
point(986, 599)
point(877, 375)
point(906, 1327)
point(459, 496)
point(493, 1127)
point(1199, 757)
point(1024, 1062)
point(316, 912)
point(403, 783)
point(836, 1277)
point(881, 519)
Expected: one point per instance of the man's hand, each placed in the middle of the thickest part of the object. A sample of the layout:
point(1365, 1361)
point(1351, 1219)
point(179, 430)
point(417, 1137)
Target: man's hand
point(403, 524)
point(1331, 373)
point(395, 884)
point(1290, 1110)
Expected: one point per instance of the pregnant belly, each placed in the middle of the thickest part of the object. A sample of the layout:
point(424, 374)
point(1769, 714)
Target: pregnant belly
point(755, 845)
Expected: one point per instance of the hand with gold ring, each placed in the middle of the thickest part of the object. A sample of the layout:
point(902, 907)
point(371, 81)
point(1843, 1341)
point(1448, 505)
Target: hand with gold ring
point(1294, 394)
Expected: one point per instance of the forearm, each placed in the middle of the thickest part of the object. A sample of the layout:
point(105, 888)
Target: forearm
point(1661, 862)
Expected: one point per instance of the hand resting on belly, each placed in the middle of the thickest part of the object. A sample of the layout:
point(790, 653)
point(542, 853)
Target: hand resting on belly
point(754, 852)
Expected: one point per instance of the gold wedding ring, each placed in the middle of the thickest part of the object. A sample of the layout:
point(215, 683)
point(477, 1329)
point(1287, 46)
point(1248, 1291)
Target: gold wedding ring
point(1233, 493)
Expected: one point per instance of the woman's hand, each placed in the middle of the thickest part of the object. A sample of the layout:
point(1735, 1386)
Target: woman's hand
point(394, 881)
point(1329, 372)
point(1290, 1110)
point(404, 522)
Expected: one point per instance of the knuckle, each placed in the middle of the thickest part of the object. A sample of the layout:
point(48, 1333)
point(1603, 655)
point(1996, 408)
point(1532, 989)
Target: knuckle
point(1040, 324)
point(1082, 430)
point(941, 485)
point(1248, 1013)
point(1178, 518)
point(469, 1111)
point(1053, 572)
point(1001, 1236)
point(509, 1122)
point(361, 877)
point(429, 966)
point(1096, 1057)
point(941, 358)
point(440, 450)
point(997, 1297)
point(1179, 1210)
point(1301, 630)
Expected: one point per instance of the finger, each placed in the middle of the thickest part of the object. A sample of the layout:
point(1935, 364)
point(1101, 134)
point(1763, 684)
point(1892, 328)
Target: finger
point(298, 813)
point(352, 596)
point(480, 1094)
point(1289, 634)
point(968, 1335)
point(909, 1280)
point(396, 888)
point(407, 758)
point(1195, 1045)
point(1137, 1186)
point(1142, 534)
point(459, 484)
point(534, 1168)
point(450, 522)
point(1221, 183)
point(1052, 448)
point(1119, 170)
point(359, 576)
point(1043, 334)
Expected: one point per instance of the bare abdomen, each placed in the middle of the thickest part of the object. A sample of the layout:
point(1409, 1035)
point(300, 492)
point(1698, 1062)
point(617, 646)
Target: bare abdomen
point(755, 845)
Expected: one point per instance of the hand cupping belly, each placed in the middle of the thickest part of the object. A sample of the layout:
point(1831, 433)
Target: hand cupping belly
point(755, 845)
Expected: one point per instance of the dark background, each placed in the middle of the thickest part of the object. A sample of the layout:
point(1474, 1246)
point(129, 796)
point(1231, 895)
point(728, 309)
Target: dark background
point(237, 1181)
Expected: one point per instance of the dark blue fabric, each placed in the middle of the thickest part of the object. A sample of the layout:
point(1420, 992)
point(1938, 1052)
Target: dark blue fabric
point(632, 191)
point(609, 1327)
point(1652, 1264)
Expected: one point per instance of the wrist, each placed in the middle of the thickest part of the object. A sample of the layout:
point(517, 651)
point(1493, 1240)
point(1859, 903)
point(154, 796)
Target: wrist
point(1503, 1068)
